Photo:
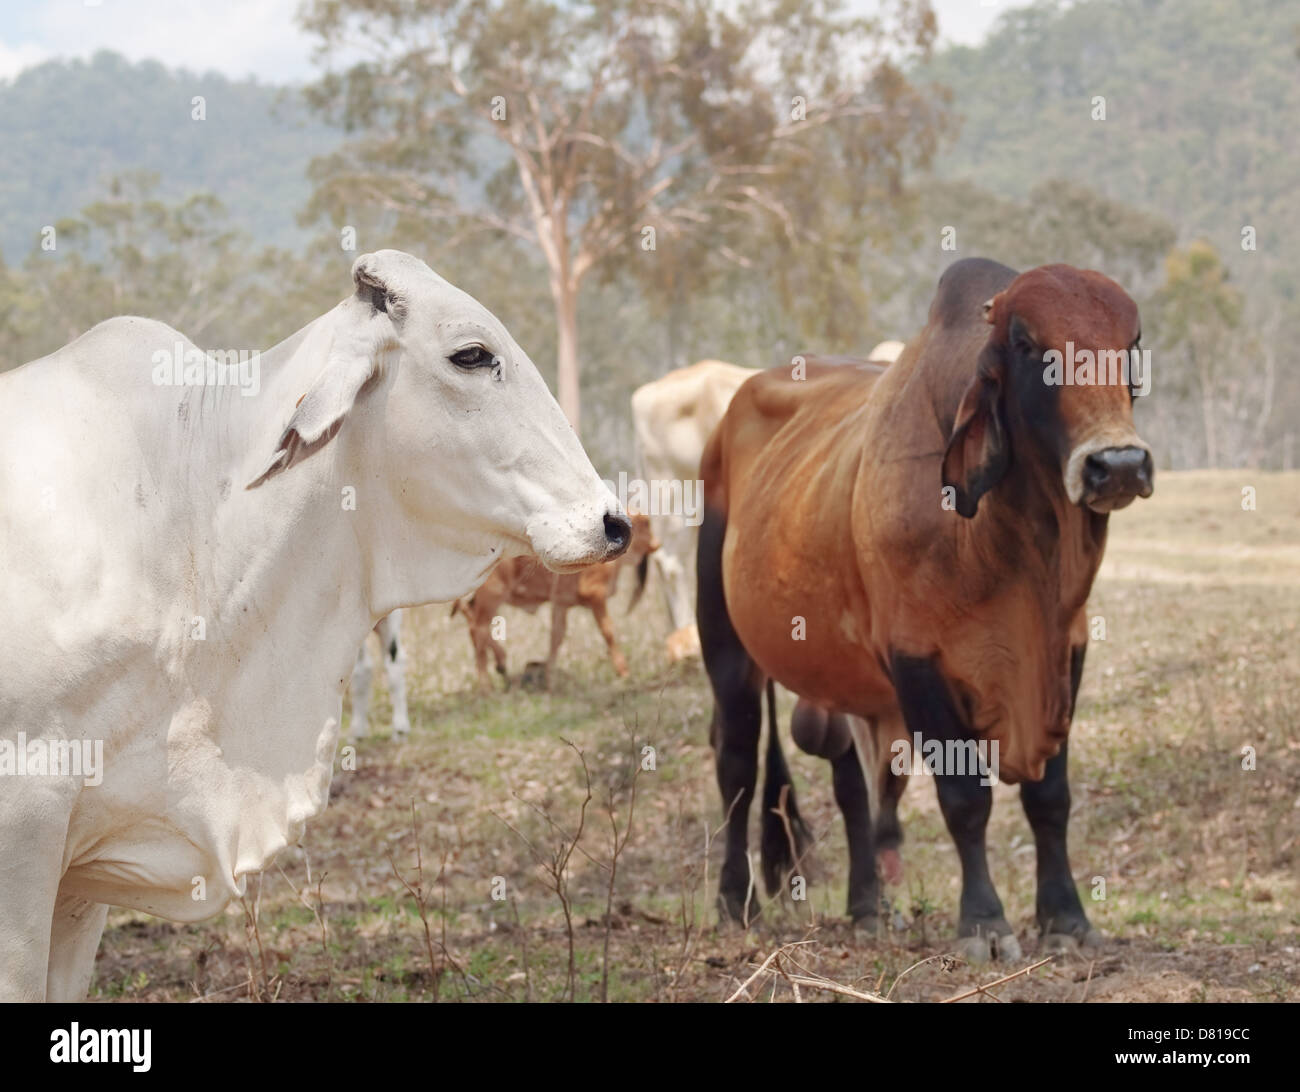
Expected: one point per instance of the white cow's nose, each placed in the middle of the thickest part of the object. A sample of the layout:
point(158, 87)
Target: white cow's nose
point(618, 534)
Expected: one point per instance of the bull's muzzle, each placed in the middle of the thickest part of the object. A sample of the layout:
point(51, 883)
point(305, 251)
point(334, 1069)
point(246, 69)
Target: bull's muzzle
point(1115, 476)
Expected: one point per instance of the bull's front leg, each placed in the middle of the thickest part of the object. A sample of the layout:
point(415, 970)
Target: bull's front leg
point(1063, 925)
point(966, 801)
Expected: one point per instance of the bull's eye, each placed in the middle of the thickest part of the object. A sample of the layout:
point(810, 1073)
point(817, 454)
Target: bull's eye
point(474, 357)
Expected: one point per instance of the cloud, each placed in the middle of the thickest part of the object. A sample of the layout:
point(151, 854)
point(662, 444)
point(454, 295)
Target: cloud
point(234, 37)
point(14, 58)
point(261, 38)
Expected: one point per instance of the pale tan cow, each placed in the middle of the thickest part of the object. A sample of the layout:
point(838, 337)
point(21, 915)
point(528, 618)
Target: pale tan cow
point(673, 417)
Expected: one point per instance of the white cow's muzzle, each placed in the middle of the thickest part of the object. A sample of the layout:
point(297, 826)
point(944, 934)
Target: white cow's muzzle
point(574, 538)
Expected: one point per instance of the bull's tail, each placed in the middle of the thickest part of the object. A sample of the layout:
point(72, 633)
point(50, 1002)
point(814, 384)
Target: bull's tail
point(785, 837)
point(461, 606)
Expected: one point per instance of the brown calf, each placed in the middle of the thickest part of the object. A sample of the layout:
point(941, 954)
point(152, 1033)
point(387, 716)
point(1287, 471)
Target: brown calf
point(524, 582)
point(911, 549)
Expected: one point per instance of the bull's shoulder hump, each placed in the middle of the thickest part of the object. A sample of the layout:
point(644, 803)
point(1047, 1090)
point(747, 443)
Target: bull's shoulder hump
point(963, 289)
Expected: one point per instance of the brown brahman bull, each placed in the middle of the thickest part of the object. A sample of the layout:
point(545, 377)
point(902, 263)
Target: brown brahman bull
point(913, 547)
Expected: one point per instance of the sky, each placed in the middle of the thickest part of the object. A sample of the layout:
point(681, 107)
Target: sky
point(259, 38)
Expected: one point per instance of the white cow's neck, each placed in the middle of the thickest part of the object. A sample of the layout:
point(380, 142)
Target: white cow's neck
point(269, 608)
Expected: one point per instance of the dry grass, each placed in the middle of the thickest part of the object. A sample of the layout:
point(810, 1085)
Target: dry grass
point(1200, 859)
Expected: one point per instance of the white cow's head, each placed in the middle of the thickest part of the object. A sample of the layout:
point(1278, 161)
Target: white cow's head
point(447, 424)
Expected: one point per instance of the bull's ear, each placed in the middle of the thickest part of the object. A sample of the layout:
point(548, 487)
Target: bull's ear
point(977, 454)
point(363, 337)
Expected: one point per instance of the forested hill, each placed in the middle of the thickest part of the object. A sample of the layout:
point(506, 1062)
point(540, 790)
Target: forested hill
point(1210, 82)
point(1201, 98)
point(1198, 142)
point(68, 126)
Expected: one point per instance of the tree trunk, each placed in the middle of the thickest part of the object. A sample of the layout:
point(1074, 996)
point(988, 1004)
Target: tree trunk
point(566, 350)
point(1207, 410)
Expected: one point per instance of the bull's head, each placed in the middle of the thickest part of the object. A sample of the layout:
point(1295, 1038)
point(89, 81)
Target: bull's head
point(1055, 382)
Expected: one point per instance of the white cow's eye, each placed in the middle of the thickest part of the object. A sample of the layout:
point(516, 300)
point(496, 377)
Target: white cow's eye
point(474, 357)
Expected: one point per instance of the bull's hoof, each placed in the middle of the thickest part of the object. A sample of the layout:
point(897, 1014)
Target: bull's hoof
point(736, 912)
point(883, 918)
point(984, 947)
point(728, 925)
point(1068, 944)
point(1007, 948)
point(975, 950)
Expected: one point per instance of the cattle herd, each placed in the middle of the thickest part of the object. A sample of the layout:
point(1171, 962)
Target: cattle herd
point(906, 542)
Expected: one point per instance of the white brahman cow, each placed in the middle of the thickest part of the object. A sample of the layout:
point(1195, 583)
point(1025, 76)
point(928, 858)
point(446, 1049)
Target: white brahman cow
point(186, 574)
point(673, 417)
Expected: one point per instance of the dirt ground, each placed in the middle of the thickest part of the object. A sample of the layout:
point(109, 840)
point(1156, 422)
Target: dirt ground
point(1188, 863)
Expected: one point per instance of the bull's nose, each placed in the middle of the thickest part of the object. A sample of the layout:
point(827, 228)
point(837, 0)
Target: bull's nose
point(1118, 472)
point(618, 534)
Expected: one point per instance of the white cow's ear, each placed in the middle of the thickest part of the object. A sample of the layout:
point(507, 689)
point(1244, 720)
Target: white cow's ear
point(362, 340)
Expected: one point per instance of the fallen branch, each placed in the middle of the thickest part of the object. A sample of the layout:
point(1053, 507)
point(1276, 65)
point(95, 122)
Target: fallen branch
point(999, 982)
point(762, 967)
point(836, 987)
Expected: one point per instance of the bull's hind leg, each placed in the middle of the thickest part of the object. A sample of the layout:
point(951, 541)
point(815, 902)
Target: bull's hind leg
point(828, 736)
point(865, 903)
point(873, 741)
point(737, 723)
point(1063, 924)
point(74, 940)
point(964, 799)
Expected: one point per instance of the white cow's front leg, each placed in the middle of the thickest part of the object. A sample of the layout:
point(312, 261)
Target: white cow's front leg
point(394, 652)
point(74, 940)
point(33, 829)
point(363, 675)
